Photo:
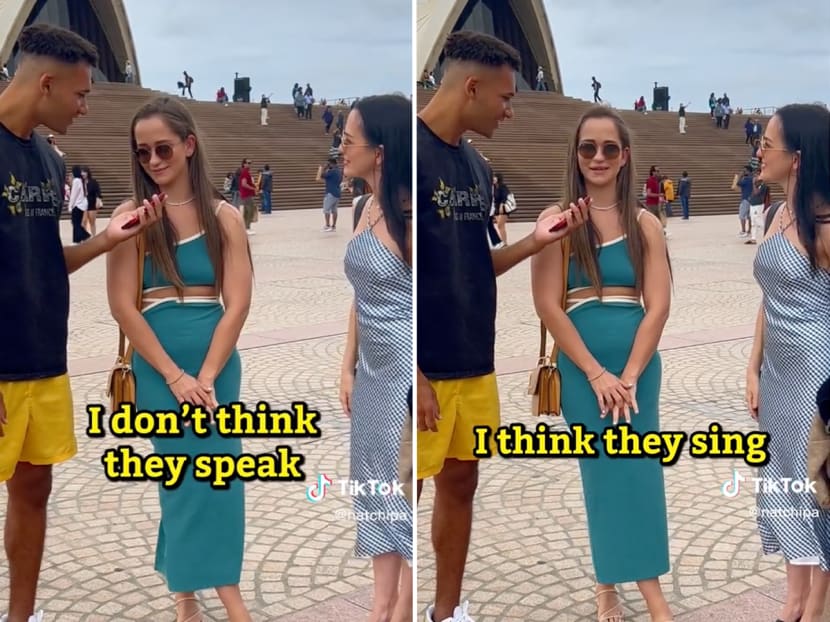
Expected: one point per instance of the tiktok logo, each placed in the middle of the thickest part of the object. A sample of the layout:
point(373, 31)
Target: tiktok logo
point(732, 487)
point(317, 492)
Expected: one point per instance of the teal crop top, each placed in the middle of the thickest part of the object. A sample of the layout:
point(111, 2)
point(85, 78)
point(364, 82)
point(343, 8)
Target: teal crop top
point(193, 262)
point(615, 267)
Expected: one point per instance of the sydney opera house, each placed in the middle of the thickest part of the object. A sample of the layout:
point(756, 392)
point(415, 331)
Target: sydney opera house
point(521, 23)
point(103, 22)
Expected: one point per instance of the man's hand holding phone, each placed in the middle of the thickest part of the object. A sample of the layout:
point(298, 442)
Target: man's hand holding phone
point(551, 227)
point(127, 224)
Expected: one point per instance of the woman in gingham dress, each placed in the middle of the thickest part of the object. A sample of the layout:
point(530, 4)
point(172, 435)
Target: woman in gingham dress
point(791, 351)
point(377, 365)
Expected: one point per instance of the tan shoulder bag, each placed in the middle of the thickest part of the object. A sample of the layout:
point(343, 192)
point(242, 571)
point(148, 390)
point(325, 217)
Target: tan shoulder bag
point(545, 384)
point(121, 387)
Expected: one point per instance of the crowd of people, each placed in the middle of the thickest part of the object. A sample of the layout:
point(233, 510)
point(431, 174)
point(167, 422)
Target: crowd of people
point(303, 100)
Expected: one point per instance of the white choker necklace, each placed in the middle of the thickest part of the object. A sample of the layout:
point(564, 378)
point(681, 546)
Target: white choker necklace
point(604, 209)
point(171, 204)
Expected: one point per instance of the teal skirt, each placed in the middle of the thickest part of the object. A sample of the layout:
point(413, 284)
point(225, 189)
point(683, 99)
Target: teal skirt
point(625, 498)
point(202, 529)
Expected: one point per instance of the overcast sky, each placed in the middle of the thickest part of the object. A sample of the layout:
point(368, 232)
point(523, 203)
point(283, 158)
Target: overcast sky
point(762, 53)
point(344, 49)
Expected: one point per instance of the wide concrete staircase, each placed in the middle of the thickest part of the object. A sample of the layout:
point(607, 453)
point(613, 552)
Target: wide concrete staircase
point(531, 151)
point(293, 148)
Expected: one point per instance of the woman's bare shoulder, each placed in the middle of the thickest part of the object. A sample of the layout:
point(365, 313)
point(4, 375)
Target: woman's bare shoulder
point(228, 216)
point(127, 206)
point(556, 208)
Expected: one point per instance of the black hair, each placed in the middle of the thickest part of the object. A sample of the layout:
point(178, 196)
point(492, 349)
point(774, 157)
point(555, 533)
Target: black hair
point(76, 171)
point(332, 160)
point(57, 43)
point(477, 47)
point(387, 123)
point(267, 167)
point(651, 170)
point(685, 174)
point(806, 130)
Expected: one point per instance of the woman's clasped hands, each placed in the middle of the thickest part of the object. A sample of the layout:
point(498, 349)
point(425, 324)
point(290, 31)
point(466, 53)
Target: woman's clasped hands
point(614, 395)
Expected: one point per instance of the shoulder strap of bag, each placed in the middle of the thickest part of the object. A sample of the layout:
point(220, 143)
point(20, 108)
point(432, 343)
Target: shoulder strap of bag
point(566, 256)
point(126, 354)
point(358, 209)
point(771, 214)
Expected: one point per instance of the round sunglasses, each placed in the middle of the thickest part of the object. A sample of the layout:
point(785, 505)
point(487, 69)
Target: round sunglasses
point(610, 151)
point(163, 151)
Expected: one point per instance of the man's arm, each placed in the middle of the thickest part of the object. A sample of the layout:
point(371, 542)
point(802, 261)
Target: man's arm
point(247, 184)
point(319, 173)
point(81, 254)
point(508, 256)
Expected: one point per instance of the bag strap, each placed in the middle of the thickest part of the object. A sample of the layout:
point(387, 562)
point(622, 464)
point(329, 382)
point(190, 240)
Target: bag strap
point(358, 209)
point(122, 353)
point(773, 209)
point(566, 256)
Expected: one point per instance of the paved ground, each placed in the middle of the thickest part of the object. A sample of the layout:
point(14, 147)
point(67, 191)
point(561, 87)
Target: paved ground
point(530, 558)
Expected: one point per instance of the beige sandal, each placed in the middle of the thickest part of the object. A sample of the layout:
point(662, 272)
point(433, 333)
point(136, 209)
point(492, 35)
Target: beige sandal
point(615, 613)
point(192, 617)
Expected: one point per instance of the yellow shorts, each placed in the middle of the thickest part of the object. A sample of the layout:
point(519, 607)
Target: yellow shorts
point(40, 428)
point(463, 404)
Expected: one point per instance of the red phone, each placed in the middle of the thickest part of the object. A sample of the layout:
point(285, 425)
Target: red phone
point(132, 222)
point(560, 225)
point(564, 222)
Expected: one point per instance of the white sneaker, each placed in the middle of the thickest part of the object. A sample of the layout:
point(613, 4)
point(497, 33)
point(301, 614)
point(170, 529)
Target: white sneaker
point(326, 228)
point(35, 617)
point(459, 614)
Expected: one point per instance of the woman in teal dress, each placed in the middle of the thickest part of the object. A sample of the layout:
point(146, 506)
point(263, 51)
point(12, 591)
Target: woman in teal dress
point(196, 292)
point(618, 290)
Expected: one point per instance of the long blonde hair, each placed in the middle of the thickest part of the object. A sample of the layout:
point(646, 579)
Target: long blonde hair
point(162, 237)
point(585, 240)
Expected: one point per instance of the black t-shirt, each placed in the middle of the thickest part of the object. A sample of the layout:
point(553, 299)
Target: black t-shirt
point(502, 193)
point(93, 193)
point(759, 194)
point(34, 297)
point(456, 279)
